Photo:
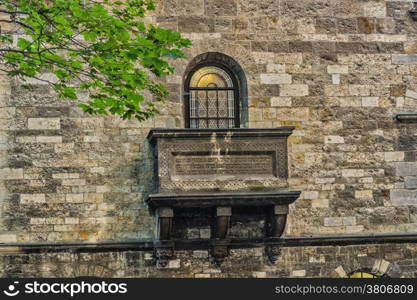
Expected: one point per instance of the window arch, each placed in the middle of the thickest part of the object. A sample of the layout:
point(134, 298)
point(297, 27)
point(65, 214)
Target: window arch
point(363, 274)
point(215, 92)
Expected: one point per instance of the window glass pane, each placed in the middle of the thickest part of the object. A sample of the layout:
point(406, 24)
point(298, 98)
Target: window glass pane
point(212, 99)
point(211, 77)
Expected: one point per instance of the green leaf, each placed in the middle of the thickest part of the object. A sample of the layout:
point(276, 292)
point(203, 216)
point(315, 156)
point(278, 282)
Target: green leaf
point(103, 48)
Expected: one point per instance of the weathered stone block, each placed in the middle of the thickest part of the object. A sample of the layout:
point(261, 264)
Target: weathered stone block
point(276, 79)
point(49, 139)
point(406, 169)
point(298, 273)
point(220, 7)
point(404, 59)
point(44, 123)
point(275, 68)
point(376, 9)
point(353, 173)
point(370, 101)
point(411, 94)
point(364, 195)
point(333, 221)
point(294, 90)
point(73, 182)
point(394, 156)
point(281, 101)
point(8, 173)
point(410, 182)
point(334, 139)
point(32, 198)
point(8, 237)
point(403, 197)
point(338, 69)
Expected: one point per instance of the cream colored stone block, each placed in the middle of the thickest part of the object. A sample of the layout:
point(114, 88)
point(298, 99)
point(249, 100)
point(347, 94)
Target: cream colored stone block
point(10, 173)
point(336, 78)
point(292, 114)
point(337, 69)
point(91, 139)
point(73, 182)
point(281, 101)
point(399, 102)
point(64, 148)
point(74, 198)
point(333, 221)
point(319, 203)
point(259, 274)
point(8, 237)
point(69, 220)
point(289, 58)
point(32, 198)
point(276, 79)
point(65, 175)
point(353, 173)
point(375, 9)
point(49, 139)
point(296, 90)
point(310, 194)
point(380, 266)
point(364, 195)
point(334, 139)
point(341, 272)
point(44, 123)
point(298, 273)
point(394, 156)
point(370, 101)
point(275, 68)
point(359, 90)
point(263, 57)
point(411, 94)
point(202, 275)
point(37, 221)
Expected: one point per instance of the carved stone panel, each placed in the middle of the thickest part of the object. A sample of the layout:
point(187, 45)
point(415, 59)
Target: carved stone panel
point(191, 160)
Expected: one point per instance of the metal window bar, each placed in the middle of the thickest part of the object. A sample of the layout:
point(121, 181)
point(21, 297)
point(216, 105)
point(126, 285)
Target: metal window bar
point(208, 121)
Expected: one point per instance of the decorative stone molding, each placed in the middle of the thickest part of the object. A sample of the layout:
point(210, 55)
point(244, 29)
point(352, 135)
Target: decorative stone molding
point(220, 160)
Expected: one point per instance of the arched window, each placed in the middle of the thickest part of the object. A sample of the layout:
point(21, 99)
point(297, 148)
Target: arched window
point(213, 92)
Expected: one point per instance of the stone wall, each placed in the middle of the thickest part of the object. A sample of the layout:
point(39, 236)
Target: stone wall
point(336, 70)
point(381, 260)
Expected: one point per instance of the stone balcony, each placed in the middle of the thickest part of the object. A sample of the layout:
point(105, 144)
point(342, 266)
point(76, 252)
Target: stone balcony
point(221, 169)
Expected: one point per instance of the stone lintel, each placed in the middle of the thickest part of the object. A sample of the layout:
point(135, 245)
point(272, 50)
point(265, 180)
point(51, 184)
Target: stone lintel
point(281, 198)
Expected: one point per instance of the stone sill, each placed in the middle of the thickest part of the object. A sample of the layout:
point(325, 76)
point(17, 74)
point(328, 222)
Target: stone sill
point(289, 241)
point(223, 199)
point(208, 133)
point(406, 117)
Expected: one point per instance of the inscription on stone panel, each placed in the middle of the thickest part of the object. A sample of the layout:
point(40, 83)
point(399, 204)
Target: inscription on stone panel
point(245, 165)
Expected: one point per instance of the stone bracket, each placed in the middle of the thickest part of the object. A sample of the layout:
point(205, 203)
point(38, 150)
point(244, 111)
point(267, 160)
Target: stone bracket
point(275, 207)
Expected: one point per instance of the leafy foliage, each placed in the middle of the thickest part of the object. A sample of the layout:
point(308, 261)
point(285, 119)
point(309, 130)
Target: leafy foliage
point(100, 46)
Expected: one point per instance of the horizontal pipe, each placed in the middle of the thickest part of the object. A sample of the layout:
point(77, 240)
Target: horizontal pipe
point(148, 245)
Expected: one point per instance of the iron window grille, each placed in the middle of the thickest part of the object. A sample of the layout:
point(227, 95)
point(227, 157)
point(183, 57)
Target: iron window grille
point(212, 98)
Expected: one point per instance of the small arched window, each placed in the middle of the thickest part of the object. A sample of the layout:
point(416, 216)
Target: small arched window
point(212, 98)
point(216, 94)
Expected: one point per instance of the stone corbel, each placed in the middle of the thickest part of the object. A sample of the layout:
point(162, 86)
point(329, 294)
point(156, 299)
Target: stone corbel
point(221, 224)
point(164, 246)
point(275, 226)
